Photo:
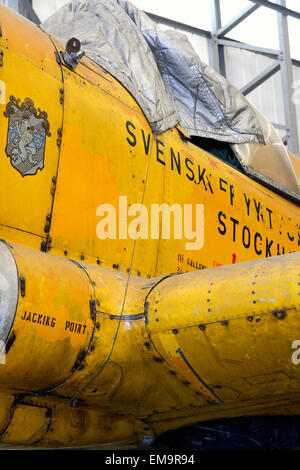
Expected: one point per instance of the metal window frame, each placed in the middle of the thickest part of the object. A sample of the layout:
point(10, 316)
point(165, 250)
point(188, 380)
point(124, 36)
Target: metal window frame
point(26, 9)
point(218, 39)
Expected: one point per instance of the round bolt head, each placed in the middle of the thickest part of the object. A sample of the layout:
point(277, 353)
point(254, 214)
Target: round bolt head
point(73, 46)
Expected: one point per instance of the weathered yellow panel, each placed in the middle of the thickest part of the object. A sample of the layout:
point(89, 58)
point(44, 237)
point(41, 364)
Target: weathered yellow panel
point(211, 356)
point(108, 151)
point(27, 41)
point(25, 193)
point(242, 219)
point(224, 328)
point(29, 424)
point(105, 167)
point(169, 352)
point(53, 327)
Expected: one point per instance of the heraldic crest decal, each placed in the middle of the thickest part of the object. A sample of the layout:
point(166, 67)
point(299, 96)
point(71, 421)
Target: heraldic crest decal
point(28, 128)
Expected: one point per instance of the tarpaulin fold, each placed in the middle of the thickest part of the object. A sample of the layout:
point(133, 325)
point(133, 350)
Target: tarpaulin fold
point(160, 69)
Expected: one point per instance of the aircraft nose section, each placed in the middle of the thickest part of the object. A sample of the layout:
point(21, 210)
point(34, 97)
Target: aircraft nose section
point(8, 292)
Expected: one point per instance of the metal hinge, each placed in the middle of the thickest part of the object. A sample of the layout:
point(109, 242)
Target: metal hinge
point(53, 185)
point(93, 309)
point(147, 306)
point(62, 96)
point(22, 286)
point(59, 137)
point(57, 57)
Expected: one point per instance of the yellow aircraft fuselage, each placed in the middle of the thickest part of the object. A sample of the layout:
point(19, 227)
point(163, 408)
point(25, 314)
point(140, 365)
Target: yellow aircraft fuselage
point(106, 344)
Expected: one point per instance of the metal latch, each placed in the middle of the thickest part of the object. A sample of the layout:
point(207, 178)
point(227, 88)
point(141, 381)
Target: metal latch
point(73, 53)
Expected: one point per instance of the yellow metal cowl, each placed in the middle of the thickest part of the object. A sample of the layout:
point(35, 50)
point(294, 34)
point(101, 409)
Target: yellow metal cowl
point(90, 334)
point(103, 344)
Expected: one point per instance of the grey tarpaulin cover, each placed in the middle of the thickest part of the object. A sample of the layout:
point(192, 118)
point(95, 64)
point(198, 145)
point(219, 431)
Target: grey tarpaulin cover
point(159, 68)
